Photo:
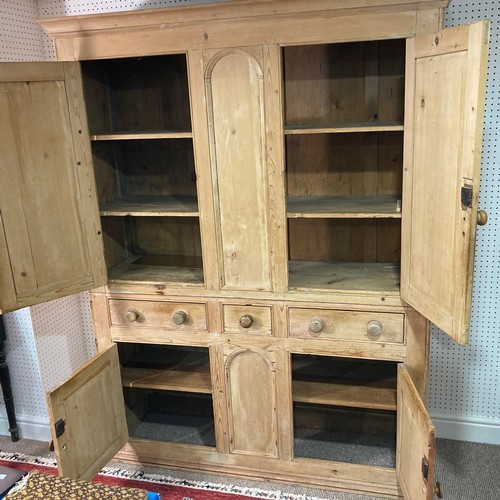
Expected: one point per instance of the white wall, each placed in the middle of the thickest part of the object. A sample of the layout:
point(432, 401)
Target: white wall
point(464, 381)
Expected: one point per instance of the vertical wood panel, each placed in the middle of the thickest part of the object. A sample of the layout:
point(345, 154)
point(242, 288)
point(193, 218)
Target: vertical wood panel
point(236, 110)
point(252, 402)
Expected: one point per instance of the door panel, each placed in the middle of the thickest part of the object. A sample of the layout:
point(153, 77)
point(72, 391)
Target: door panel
point(415, 452)
point(252, 401)
point(47, 197)
point(90, 405)
point(446, 74)
point(235, 94)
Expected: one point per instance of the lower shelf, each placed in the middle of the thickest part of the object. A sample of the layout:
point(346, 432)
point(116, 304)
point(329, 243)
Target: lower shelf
point(345, 276)
point(158, 269)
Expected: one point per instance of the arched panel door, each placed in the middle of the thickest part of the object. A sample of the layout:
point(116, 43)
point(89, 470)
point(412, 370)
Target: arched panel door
point(242, 88)
point(251, 401)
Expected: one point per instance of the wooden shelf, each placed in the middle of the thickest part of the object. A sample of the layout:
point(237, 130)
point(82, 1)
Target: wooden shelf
point(191, 379)
point(151, 134)
point(344, 207)
point(152, 206)
point(345, 128)
point(344, 276)
point(158, 269)
point(352, 393)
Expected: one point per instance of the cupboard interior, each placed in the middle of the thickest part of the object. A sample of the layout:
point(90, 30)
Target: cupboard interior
point(344, 110)
point(344, 409)
point(167, 392)
point(140, 125)
point(149, 249)
point(137, 95)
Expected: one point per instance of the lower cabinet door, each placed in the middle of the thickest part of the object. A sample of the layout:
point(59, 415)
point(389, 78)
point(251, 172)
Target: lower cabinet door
point(87, 417)
point(416, 442)
point(251, 389)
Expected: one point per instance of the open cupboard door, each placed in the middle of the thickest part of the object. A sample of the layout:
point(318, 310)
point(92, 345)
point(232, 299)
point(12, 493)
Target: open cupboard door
point(50, 234)
point(416, 439)
point(87, 417)
point(445, 93)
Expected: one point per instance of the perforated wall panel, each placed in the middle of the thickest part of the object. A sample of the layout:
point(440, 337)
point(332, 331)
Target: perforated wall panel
point(23, 365)
point(465, 381)
point(20, 37)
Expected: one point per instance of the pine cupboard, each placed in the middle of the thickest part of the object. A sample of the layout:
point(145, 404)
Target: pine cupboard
point(269, 201)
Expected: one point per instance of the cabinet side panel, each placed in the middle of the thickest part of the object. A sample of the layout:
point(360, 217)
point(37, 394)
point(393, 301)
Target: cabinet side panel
point(236, 108)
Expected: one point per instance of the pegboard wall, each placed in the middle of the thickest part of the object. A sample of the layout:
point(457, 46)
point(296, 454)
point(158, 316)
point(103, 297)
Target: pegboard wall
point(464, 381)
point(20, 38)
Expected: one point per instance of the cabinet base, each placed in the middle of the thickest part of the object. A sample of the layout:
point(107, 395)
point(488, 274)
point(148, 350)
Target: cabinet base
point(352, 478)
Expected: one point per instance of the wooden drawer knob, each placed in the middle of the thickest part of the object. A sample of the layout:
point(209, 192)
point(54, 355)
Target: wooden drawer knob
point(374, 328)
point(482, 217)
point(316, 325)
point(132, 315)
point(179, 318)
point(246, 321)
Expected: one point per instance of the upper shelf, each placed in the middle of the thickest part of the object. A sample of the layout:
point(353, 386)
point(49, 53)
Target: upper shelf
point(149, 134)
point(345, 128)
point(344, 207)
point(151, 206)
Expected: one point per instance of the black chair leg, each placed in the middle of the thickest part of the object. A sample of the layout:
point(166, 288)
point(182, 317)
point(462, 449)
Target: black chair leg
point(6, 385)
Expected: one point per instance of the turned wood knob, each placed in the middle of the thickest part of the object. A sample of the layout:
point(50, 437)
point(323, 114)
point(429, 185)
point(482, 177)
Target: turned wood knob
point(374, 328)
point(179, 318)
point(132, 315)
point(316, 325)
point(482, 217)
point(246, 321)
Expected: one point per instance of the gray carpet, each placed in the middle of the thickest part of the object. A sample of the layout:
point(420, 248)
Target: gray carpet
point(467, 471)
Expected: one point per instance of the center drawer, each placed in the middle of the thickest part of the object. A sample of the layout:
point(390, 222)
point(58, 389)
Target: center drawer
point(151, 314)
point(348, 325)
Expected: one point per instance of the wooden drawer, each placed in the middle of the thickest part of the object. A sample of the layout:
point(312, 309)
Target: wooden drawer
point(247, 319)
point(349, 325)
point(166, 315)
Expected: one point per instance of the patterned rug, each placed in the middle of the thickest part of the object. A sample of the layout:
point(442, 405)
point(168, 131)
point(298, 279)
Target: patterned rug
point(168, 487)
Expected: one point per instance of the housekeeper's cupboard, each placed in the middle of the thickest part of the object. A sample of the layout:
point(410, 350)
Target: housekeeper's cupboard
point(270, 200)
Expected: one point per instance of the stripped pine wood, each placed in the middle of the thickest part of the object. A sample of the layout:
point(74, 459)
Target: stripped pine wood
point(250, 174)
point(444, 109)
point(344, 276)
point(344, 207)
point(347, 392)
point(91, 408)
point(151, 206)
point(346, 129)
point(157, 134)
point(416, 442)
point(192, 379)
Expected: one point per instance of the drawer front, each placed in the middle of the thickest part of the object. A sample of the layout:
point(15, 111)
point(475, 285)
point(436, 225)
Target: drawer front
point(247, 319)
point(348, 325)
point(166, 315)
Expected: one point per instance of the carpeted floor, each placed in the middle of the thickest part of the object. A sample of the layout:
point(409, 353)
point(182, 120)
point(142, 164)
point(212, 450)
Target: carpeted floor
point(466, 470)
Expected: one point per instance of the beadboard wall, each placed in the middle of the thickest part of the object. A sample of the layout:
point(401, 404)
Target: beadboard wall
point(46, 343)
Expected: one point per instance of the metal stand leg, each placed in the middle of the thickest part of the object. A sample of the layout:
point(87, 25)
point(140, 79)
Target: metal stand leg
point(6, 387)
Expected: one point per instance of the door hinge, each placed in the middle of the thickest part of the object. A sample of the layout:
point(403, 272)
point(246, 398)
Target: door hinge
point(466, 196)
point(425, 468)
point(59, 427)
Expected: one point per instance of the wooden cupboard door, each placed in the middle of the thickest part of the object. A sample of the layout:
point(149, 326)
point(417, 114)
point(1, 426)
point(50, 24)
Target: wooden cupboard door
point(243, 99)
point(50, 244)
point(416, 442)
point(446, 79)
point(256, 416)
point(87, 417)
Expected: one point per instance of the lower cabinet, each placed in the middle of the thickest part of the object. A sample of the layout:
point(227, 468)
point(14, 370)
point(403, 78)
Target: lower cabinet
point(256, 406)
